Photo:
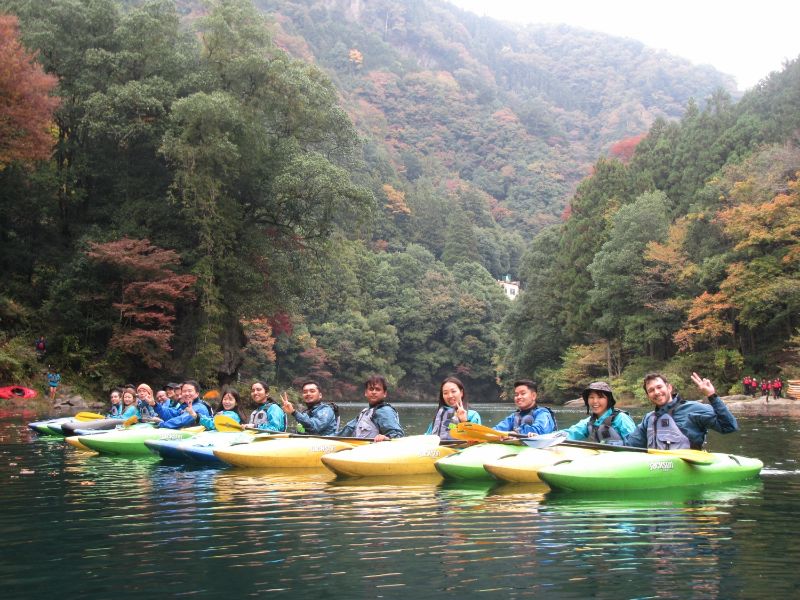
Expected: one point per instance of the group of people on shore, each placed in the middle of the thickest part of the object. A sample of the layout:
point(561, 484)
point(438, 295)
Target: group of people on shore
point(752, 387)
point(674, 423)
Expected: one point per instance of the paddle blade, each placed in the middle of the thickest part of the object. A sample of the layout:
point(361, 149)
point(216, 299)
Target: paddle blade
point(543, 441)
point(130, 421)
point(88, 416)
point(226, 423)
point(478, 433)
point(696, 457)
point(211, 395)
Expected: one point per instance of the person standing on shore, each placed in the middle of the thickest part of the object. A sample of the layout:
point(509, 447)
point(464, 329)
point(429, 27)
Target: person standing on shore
point(53, 381)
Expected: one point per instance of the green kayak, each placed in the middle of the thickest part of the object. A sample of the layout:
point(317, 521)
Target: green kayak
point(642, 471)
point(130, 441)
point(467, 464)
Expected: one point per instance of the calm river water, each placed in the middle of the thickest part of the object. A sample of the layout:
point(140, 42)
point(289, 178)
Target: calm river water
point(75, 525)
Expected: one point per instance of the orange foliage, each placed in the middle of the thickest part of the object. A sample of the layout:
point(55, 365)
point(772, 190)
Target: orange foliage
point(355, 57)
point(26, 107)
point(704, 323)
point(260, 340)
point(396, 201)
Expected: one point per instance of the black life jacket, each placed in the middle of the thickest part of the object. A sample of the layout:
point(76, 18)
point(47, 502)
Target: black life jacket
point(603, 432)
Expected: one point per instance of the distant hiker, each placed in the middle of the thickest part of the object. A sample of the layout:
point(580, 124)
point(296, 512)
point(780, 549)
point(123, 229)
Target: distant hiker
point(40, 346)
point(53, 381)
point(777, 388)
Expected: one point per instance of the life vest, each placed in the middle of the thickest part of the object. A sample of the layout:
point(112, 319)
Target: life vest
point(261, 415)
point(603, 432)
point(664, 434)
point(365, 426)
point(528, 419)
point(441, 422)
point(115, 411)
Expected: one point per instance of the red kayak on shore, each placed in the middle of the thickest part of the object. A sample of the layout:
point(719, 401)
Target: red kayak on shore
point(17, 391)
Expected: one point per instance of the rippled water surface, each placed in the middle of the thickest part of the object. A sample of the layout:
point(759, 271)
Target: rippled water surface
point(78, 525)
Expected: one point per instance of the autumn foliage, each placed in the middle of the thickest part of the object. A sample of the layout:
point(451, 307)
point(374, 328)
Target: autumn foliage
point(624, 149)
point(26, 107)
point(148, 291)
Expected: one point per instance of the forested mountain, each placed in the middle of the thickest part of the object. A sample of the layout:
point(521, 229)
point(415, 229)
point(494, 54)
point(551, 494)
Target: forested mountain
point(331, 187)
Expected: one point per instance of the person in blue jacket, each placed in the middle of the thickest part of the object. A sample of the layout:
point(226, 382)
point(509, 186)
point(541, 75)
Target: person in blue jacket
point(529, 419)
point(268, 415)
point(677, 423)
point(130, 406)
point(319, 418)
point(228, 406)
point(115, 411)
point(177, 418)
point(453, 408)
point(379, 421)
point(605, 424)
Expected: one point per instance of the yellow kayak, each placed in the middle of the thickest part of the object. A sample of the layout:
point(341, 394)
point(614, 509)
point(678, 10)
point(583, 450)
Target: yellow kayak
point(524, 466)
point(281, 452)
point(414, 455)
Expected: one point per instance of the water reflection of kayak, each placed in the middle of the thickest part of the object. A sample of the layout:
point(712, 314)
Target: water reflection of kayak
point(614, 500)
point(634, 470)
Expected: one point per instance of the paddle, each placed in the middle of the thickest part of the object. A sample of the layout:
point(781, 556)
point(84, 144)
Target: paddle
point(475, 432)
point(88, 416)
point(226, 423)
point(130, 421)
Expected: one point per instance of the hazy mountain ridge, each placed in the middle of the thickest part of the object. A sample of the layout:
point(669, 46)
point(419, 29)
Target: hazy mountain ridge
point(519, 111)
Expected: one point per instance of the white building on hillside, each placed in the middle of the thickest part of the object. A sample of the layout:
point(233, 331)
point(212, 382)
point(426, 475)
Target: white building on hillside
point(511, 288)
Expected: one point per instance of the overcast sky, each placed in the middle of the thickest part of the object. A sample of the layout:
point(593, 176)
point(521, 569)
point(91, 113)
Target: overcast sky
point(745, 39)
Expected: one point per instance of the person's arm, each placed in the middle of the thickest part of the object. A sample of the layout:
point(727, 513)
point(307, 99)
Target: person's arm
point(388, 422)
point(542, 423)
point(624, 425)
point(129, 412)
point(323, 419)
point(166, 413)
point(579, 431)
point(276, 419)
point(638, 438)
point(186, 418)
point(349, 429)
point(721, 419)
point(506, 424)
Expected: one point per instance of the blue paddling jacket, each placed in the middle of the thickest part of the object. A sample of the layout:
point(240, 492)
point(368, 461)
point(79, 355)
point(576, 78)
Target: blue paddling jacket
point(538, 420)
point(319, 419)
point(208, 422)
point(621, 423)
point(177, 418)
point(268, 417)
point(694, 419)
